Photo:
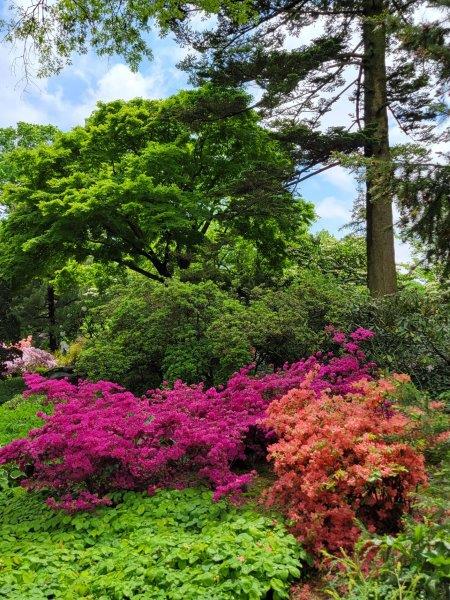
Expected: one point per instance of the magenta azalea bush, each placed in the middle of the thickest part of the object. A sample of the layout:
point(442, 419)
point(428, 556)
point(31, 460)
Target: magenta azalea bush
point(29, 360)
point(102, 438)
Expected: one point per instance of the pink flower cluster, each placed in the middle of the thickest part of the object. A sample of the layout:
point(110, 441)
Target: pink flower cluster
point(102, 438)
point(30, 359)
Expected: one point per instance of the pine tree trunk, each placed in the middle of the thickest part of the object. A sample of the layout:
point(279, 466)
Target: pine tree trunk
point(51, 307)
point(381, 273)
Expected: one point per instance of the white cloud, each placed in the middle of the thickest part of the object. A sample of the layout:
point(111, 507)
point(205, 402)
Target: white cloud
point(341, 178)
point(120, 83)
point(332, 208)
point(16, 101)
point(403, 252)
point(306, 35)
point(68, 99)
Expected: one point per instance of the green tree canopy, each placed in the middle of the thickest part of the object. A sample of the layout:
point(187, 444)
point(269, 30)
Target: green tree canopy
point(23, 135)
point(144, 183)
point(390, 57)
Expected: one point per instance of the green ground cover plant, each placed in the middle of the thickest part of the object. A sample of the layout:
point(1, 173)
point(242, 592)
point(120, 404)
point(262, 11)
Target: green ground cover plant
point(18, 416)
point(176, 545)
point(415, 565)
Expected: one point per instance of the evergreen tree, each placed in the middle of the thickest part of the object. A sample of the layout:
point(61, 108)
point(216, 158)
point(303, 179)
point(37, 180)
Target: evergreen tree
point(376, 53)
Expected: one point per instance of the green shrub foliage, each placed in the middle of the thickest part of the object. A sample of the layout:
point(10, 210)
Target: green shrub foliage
point(415, 565)
point(10, 387)
point(412, 334)
point(176, 545)
point(151, 332)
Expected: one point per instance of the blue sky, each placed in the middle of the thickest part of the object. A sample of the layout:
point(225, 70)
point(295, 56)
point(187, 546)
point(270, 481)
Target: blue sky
point(67, 99)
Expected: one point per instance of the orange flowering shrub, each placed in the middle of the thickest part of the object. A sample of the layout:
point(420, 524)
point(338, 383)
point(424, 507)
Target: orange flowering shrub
point(337, 462)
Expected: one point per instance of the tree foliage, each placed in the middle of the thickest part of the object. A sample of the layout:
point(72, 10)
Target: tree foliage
point(144, 182)
point(384, 55)
point(423, 192)
point(24, 135)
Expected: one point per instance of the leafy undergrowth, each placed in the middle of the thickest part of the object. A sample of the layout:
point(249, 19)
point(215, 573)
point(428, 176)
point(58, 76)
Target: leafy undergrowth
point(176, 545)
point(18, 416)
point(414, 565)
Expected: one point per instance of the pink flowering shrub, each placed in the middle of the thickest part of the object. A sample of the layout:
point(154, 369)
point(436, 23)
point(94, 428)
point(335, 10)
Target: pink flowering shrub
point(102, 438)
point(29, 360)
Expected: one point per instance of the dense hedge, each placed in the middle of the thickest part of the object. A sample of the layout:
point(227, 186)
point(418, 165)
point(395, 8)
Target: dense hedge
point(176, 545)
point(148, 332)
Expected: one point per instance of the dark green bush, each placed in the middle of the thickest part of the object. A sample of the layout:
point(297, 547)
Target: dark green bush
point(149, 332)
point(174, 545)
point(153, 332)
point(10, 387)
point(197, 332)
point(288, 323)
point(412, 334)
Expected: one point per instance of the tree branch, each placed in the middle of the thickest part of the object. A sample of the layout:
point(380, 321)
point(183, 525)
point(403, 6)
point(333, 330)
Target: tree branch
point(325, 168)
point(134, 267)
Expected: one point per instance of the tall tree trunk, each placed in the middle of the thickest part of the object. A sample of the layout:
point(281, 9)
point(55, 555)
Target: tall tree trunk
point(381, 273)
point(51, 306)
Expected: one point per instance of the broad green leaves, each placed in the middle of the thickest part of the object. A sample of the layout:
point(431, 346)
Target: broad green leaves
point(175, 545)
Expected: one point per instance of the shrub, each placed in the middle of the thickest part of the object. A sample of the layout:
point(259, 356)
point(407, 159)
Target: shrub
point(174, 545)
point(415, 564)
point(31, 360)
point(101, 438)
point(288, 321)
point(432, 423)
point(334, 465)
point(412, 334)
point(10, 387)
point(7, 354)
point(71, 355)
point(151, 332)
